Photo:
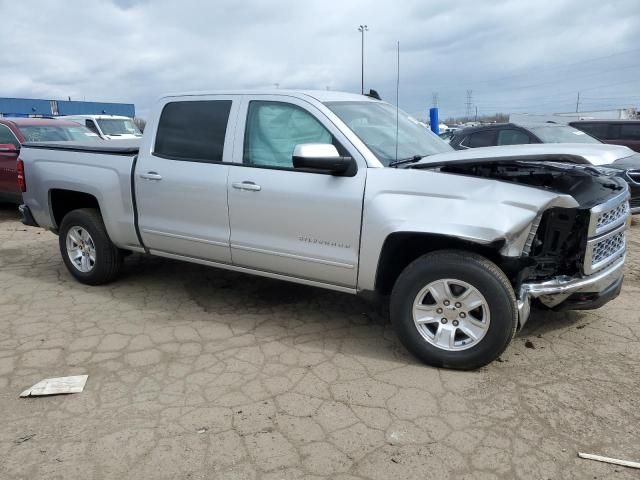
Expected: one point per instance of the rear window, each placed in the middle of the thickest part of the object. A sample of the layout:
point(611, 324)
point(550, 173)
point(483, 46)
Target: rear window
point(598, 130)
point(193, 131)
point(561, 134)
point(630, 131)
point(54, 133)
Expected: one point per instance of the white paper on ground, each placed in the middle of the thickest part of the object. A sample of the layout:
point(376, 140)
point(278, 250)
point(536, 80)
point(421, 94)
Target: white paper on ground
point(57, 386)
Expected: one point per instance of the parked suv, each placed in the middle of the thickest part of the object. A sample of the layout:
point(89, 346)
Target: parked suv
point(512, 134)
point(16, 131)
point(617, 132)
point(108, 127)
point(622, 159)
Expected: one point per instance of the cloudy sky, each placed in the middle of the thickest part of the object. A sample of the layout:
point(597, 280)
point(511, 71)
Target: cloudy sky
point(514, 55)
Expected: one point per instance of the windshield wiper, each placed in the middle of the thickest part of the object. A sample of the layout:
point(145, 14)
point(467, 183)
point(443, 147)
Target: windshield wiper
point(402, 161)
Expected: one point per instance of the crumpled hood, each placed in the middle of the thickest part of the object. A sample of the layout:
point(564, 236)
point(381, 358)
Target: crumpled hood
point(595, 154)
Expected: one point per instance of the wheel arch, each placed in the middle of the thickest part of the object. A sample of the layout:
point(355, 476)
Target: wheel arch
point(401, 248)
point(63, 201)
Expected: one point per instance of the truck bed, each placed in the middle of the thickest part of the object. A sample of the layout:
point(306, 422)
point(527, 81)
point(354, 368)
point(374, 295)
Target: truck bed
point(101, 171)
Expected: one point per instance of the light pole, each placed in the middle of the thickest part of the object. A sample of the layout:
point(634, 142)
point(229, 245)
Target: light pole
point(362, 29)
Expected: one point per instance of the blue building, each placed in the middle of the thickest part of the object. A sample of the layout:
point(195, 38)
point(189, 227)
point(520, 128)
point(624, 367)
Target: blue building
point(33, 107)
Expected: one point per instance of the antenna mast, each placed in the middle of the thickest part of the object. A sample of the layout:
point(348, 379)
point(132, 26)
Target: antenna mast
point(397, 100)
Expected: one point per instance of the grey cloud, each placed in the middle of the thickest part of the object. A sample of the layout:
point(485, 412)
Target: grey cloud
point(514, 55)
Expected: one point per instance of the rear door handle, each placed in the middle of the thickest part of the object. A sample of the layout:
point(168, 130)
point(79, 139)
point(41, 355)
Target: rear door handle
point(246, 185)
point(151, 176)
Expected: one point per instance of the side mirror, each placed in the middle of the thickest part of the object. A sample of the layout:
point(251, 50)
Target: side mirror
point(8, 150)
point(323, 158)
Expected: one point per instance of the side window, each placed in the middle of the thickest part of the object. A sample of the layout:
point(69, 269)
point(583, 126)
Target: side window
point(274, 129)
point(91, 126)
point(193, 131)
point(598, 130)
point(7, 136)
point(509, 136)
point(485, 138)
point(630, 131)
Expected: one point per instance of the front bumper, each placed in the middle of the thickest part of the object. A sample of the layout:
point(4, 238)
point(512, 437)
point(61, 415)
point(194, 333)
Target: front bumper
point(634, 201)
point(577, 293)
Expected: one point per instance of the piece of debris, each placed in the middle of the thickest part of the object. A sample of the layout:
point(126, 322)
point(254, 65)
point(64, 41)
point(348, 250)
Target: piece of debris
point(529, 344)
point(614, 461)
point(57, 386)
point(202, 430)
point(394, 460)
point(24, 438)
point(580, 327)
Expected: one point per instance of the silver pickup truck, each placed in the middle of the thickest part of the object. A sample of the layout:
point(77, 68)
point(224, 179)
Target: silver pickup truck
point(343, 192)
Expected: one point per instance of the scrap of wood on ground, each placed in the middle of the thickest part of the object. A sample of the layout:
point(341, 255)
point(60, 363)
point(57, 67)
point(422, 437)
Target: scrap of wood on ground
point(614, 461)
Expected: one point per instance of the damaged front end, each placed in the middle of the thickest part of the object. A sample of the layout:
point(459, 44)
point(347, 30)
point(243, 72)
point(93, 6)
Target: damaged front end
point(573, 258)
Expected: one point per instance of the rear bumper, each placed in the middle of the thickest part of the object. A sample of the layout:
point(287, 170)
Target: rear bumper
point(27, 216)
point(573, 293)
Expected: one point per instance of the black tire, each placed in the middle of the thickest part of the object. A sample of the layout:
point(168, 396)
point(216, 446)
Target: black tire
point(478, 272)
point(108, 258)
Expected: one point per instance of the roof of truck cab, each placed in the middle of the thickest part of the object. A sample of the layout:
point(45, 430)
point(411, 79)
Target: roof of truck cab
point(319, 95)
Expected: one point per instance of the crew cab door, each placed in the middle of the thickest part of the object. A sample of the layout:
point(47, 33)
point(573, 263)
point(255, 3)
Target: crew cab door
point(181, 178)
point(288, 221)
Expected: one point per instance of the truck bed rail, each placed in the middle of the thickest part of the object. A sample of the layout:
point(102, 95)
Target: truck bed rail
point(124, 147)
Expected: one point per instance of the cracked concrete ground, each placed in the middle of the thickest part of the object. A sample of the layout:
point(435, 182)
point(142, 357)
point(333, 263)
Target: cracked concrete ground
point(201, 373)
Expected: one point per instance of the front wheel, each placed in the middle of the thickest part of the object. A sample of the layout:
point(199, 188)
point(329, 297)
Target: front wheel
point(86, 249)
point(454, 309)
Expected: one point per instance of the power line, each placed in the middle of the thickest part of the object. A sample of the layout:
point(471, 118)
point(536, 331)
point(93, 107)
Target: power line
point(552, 82)
point(553, 67)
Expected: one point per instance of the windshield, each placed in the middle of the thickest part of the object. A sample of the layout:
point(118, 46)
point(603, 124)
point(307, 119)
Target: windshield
point(57, 133)
point(375, 124)
point(118, 126)
point(562, 134)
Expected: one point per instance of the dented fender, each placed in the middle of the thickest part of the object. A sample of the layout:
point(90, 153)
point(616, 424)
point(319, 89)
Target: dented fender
point(478, 210)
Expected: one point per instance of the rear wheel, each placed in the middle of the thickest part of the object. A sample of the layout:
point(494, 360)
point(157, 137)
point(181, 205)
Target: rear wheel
point(454, 309)
point(86, 249)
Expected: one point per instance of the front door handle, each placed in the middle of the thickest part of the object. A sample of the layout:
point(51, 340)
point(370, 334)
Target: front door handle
point(151, 176)
point(246, 185)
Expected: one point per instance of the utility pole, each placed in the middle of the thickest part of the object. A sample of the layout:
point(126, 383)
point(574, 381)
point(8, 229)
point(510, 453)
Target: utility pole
point(434, 99)
point(362, 29)
point(476, 113)
point(578, 103)
point(469, 102)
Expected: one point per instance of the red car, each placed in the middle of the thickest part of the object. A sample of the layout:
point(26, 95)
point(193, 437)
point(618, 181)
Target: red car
point(16, 131)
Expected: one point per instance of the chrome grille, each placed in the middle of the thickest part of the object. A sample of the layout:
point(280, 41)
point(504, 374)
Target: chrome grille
point(604, 249)
point(634, 175)
point(613, 216)
point(606, 235)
